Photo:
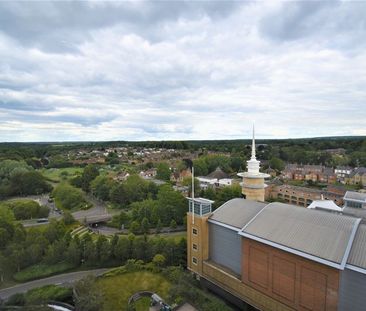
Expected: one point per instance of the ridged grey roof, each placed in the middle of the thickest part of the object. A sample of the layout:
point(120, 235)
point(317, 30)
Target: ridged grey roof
point(353, 195)
point(311, 232)
point(360, 171)
point(237, 212)
point(355, 212)
point(357, 256)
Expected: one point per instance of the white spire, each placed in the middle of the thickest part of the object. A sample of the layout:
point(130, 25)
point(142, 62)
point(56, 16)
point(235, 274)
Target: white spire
point(253, 145)
point(253, 163)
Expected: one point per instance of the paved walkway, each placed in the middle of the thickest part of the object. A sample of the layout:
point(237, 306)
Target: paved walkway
point(64, 279)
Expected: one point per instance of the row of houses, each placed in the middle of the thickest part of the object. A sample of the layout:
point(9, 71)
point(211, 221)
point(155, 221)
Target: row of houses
point(323, 174)
point(315, 173)
point(303, 196)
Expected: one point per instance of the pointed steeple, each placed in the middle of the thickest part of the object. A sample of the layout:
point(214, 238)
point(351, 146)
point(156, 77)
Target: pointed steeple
point(253, 180)
point(253, 145)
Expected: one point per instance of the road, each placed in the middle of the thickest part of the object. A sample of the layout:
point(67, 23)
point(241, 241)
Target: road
point(65, 279)
point(99, 209)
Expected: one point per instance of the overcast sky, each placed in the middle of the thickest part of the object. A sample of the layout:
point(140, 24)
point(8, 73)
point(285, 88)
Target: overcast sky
point(181, 70)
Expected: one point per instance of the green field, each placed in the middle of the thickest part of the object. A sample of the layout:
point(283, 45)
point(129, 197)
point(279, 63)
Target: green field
point(176, 236)
point(58, 174)
point(118, 289)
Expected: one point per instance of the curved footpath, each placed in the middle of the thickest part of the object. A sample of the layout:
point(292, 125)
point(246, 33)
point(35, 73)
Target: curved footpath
point(60, 279)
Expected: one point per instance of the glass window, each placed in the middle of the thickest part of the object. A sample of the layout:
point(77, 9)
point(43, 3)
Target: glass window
point(354, 204)
point(195, 247)
point(194, 231)
point(194, 260)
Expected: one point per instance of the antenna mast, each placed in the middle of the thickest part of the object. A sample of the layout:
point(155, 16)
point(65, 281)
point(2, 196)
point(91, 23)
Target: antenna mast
point(192, 193)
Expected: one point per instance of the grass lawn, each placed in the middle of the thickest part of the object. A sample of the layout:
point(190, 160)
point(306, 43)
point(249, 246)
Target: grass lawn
point(142, 304)
point(41, 271)
point(176, 236)
point(55, 174)
point(118, 289)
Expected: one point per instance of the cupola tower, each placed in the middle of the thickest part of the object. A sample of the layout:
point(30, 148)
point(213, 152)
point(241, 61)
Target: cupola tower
point(253, 180)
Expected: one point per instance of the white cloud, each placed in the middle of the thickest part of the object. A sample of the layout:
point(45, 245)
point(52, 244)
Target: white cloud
point(194, 73)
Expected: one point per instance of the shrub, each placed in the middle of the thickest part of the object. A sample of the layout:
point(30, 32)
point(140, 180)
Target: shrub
point(46, 293)
point(68, 197)
point(16, 300)
point(41, 270)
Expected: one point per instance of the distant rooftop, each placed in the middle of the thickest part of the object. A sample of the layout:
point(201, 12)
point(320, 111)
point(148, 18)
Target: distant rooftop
point(355, 196)
point(201, 200)
point(325, 205)
point(218, 174)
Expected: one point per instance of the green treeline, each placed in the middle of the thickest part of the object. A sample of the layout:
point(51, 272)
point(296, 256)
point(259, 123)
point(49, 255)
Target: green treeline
point(18, 178)
point(54, 245)
point(25, 209)
point(306, 151)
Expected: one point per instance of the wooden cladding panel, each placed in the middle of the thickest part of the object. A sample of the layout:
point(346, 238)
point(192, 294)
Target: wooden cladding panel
point(313, 287)
point(258, 267)
point(283, 278)
point(300, 283)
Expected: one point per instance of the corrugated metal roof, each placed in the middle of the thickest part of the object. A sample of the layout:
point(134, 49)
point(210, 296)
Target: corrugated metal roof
point(355, 212)
point(357, 256)
point(311, 232)
point(353, 195)
point(237, 212)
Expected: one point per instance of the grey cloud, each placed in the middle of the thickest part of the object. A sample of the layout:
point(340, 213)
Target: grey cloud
point(179, 70)
point(25, 106)
point(323, 20)
point(60, 26)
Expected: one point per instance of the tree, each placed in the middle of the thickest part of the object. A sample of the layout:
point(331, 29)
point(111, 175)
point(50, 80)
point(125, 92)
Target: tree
point(171, 205)
point(200, 167)
point(89, 174)
point(227, 193)
point(276, 164)
point(145, 225)
point(68, 218)
point(73, 253)
point(237, 163)
point(26, 183)
point(89, 297)
point(68, 197)
point(159, 260)
point(6, 224)
point(163, 171)
point(187, 181)
point(158, 226)
point(103, 249)
point(101, 186)
point(173, 224)
point(135, 227)
point(121, 251)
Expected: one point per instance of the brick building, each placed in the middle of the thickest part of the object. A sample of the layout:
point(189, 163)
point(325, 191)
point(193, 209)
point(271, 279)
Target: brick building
point(314, 173)
point(276, 256)
point(304, 196)
point(357, 177)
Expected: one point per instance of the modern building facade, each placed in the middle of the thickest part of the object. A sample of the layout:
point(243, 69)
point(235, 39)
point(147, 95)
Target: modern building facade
point(277, 256)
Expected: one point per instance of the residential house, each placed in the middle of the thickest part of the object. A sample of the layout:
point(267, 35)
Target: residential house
point(357, 177)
